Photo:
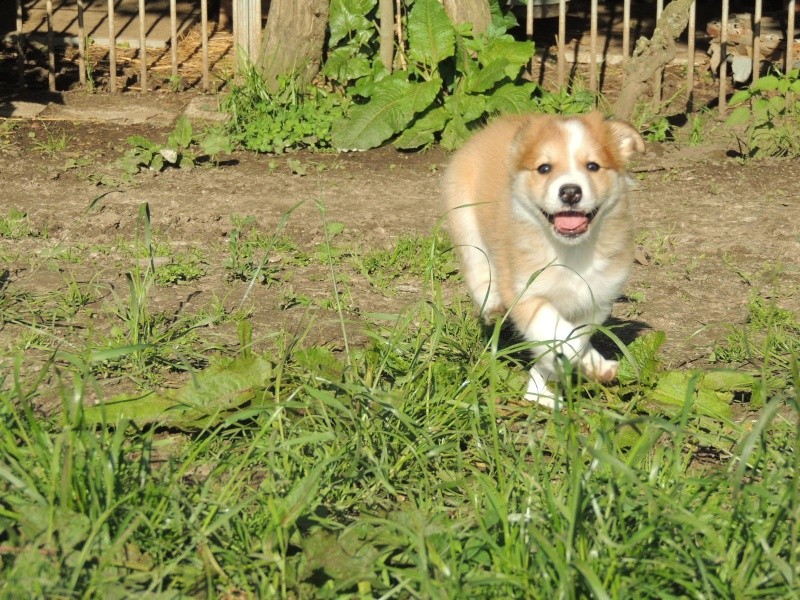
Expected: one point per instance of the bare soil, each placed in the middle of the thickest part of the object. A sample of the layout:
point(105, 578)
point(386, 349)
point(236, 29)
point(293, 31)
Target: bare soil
point(713, 228)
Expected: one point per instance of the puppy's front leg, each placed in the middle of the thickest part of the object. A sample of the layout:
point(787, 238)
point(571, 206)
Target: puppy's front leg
point(554, 336)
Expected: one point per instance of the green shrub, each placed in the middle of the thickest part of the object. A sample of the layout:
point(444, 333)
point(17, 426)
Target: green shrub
point(292, 118)
point(770, 111)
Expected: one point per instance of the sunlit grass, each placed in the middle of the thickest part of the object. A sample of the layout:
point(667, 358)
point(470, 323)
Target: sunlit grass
point(403, 466)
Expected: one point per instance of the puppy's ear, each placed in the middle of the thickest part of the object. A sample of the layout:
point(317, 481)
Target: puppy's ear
point(628, 139)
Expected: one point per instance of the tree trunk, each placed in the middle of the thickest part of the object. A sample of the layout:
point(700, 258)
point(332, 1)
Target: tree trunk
point(469, 11)
point(651, 55)
point(293, 40)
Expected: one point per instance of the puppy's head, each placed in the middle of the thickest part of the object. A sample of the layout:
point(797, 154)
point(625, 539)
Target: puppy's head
point(568, 170)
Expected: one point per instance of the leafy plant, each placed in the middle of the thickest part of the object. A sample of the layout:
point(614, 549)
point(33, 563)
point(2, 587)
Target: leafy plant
point(769, 341)
point(53, 142)
point(413, 255)
point(453, 79)
point(659, 130)
point(180, 150)
point(181, 268)
point(291, 118)
point(15, 225)
point(254, 255)
point(769, 110)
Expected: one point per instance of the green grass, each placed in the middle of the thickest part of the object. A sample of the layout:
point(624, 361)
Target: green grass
point(402, 466)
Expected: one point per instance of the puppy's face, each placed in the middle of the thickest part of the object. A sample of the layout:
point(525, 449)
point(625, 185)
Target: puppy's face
point(568, 171)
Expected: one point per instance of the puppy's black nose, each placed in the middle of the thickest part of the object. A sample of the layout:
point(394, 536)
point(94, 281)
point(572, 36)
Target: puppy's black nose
point(570, 194)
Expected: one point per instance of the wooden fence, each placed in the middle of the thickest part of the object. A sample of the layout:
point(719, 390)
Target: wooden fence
point(247, 21)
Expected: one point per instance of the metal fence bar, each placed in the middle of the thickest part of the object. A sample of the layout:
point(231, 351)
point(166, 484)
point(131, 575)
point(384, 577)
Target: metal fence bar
point(173, 36)
point(756, 40)
point(112, 48)
point(529, 29)
point(20, 49)
point(204, 42)
point(593, 48)
point(51, 52)
point(626, 29)
point(723, 52)
point(562, 51)
point(81, 44)
point(790, 9)
point(142, 47)
point(690, 43)
point(658, 78)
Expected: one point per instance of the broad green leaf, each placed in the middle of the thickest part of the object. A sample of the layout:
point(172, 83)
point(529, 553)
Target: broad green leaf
point(765, 84)
point(431, 37)
point(348, 558)
point(181, 136)
point(486, 78)
point(210, 394)
point(511, 98)
point(795, 87)
point(346, 16)
point(423, 131)
point(729, 380)
point(139, 141)
point(739, 97)
point(673, 389)
point(455, 133)
point(644, 351)
point(216, 143)
point(345, 64)
point(467, 107)
point(394, 103)
point(777, 104)
point(517, 54)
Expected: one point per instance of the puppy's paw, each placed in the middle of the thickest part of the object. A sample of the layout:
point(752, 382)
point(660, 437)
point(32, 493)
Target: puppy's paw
point(538, 392)
point(598, 368)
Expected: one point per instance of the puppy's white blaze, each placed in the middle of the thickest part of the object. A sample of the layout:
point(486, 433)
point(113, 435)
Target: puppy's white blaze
point(576, 139)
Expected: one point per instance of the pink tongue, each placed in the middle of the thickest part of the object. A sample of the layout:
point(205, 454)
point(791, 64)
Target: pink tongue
point(571, 222)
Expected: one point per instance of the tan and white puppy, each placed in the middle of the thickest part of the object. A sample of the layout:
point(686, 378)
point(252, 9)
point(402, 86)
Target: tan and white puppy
point(537, 210)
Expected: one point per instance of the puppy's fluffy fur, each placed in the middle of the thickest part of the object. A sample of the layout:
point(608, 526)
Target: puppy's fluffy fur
point(537, 210)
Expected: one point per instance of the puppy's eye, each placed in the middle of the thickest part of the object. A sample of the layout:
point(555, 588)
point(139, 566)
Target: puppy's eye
point(544, 169)
point(592, 166)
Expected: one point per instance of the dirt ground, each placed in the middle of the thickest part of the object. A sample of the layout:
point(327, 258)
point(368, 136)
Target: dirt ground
point(713, 228)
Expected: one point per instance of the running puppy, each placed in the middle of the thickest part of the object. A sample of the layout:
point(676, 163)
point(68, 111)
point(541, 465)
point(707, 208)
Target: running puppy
point(537, 210)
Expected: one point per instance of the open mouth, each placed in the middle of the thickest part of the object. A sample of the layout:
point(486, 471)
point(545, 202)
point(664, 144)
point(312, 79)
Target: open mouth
point(571, 223)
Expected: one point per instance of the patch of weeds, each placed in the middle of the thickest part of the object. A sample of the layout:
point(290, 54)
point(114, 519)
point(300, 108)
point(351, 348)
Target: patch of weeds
point(658, 130)
point(769, 340)
point(769, 110)
point(657, 246)
point(634, 303)
point(7, 128)
point(16, 225)
point(274, 121)
point(254, 255)
point(52, 143)
point(290, 299)
point(181, 268)
point(699, 127)
point(328, 252)
point(142, 343)
point(412, 256)
point(183, 150)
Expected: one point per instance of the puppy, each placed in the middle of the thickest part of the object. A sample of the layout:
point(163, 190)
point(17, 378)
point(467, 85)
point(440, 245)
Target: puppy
point(538, 213)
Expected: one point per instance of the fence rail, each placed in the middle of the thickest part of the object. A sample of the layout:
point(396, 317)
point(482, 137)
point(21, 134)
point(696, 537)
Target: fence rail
point(247, 20)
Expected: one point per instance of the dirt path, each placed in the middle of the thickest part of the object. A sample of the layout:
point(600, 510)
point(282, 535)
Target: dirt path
point(712, 229)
